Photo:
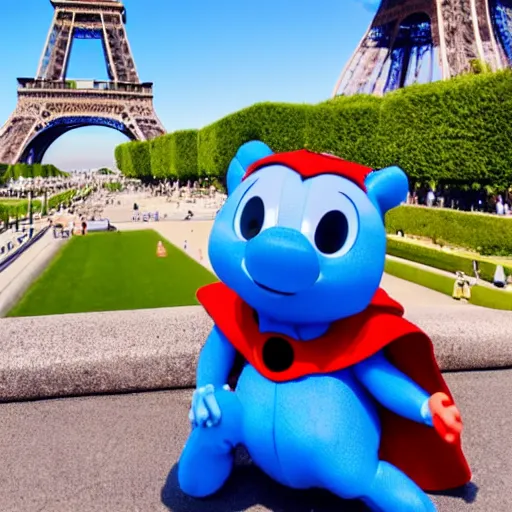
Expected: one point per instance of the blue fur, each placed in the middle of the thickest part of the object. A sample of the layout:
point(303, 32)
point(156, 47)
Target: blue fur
point(322, 430)
point(246, 155)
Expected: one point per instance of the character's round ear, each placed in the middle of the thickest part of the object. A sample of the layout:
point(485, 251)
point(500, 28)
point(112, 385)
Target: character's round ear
point(246, 155)
point(387, 188)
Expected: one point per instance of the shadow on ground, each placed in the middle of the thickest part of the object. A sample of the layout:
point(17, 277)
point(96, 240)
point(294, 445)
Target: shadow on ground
point(249, 487)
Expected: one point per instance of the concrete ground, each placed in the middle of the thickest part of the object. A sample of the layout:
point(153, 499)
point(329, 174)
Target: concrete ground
point(114, 453)
point(18, 276)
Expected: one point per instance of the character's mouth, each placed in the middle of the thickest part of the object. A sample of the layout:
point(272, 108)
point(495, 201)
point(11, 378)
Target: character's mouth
point(271, 290)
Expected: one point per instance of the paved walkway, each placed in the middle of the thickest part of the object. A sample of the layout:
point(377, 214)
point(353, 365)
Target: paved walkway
point(196, 234)
point(18, 276)
point(438, 271)
point(412, 294)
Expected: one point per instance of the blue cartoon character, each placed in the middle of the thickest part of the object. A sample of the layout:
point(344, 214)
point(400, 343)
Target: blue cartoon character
point(337, 390)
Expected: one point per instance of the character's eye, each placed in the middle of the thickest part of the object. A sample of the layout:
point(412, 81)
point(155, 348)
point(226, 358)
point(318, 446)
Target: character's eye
point(252, 218)
point(259, 205)
point(330, 221)
point(331, 232)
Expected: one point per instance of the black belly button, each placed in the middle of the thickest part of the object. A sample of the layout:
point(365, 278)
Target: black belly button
point(278, 354)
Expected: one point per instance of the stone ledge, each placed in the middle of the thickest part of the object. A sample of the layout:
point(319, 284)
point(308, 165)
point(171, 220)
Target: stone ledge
point(112, 352)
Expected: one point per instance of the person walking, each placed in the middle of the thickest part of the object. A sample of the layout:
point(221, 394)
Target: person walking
point(500, 208)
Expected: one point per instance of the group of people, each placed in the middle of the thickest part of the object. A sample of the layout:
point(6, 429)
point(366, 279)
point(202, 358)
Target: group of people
point(61, 230)
point(138, 216)
point(501, 204)
point(502, 207)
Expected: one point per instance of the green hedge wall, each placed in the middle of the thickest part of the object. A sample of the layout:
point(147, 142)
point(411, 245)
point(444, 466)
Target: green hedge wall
point(161, 155)
point(448, 261)
point(347, 127)
point(485, 234)
point(282, 126)
point(11, 208)
point(64, 198)
point(457, 130)
point(185, 155)
point(29, 171)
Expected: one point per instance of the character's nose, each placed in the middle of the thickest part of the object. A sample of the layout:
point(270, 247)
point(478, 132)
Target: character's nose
point(282, 260)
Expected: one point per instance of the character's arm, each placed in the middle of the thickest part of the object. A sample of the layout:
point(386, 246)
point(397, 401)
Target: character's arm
point(397, 392)
point(215, 360)
point(393, 389)
point(213, 369)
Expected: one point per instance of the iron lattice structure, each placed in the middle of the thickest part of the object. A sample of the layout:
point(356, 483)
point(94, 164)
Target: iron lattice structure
point(50, 105)
point(408, 38)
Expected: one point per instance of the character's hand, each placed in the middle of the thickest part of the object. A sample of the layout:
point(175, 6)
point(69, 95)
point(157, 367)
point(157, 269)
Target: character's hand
point(205, 411)
point(445, 417)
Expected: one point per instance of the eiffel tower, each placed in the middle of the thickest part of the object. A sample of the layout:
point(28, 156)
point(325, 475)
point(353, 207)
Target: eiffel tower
point(51, 105)
point(408, 39)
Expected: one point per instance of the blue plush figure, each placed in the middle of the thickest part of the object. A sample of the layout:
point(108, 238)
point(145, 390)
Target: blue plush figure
point(337, 390)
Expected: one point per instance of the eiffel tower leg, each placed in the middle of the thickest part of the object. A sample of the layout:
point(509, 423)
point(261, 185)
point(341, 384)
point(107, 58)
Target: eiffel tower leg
point(118, 51)
point(371, 69)
point(503, 16)
point(458, 34)
point(494, 54)
point(431, 62)
point(349, 68)
point(55, 56)
point(366, 63)
point(349, 79)
point(383, 76)
point(380, 81)
point(17, 131)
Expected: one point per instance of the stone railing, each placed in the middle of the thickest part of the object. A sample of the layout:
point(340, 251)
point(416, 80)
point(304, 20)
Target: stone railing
point(112, 352)
point(26, 84)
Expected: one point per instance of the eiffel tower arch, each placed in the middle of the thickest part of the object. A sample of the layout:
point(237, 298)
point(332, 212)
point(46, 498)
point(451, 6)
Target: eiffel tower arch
point(50, 104)
point(409, 38)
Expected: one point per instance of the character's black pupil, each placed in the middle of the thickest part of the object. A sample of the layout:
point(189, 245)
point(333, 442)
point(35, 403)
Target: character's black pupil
point(331, 232)
point(253, 216)
point(277, 354)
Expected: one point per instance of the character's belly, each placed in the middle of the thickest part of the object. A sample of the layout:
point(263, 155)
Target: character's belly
point(289, 426)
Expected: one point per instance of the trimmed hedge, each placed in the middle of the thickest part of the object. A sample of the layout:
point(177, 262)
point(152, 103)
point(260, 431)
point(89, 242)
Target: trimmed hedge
point(485, 234)
point(480, 295)
point(280, 125)
point(347, 127)
point(185, 155)
point(30, 171)
point(161, 157)
point(457, 130)
point(447, 261)
point(12, 208)
point(61, 198)
point(113, 187)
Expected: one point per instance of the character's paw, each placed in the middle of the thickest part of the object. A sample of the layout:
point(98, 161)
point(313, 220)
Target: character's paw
point(205, 411)
point(445, 417)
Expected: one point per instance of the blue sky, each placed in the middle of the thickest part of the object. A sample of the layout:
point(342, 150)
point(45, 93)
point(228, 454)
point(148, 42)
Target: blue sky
point(207, 59)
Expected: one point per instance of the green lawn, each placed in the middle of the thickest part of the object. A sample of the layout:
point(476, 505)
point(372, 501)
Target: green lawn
point(480, 295)
point(114, 271)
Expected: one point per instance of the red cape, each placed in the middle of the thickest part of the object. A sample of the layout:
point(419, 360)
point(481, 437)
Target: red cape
point(414, 448)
